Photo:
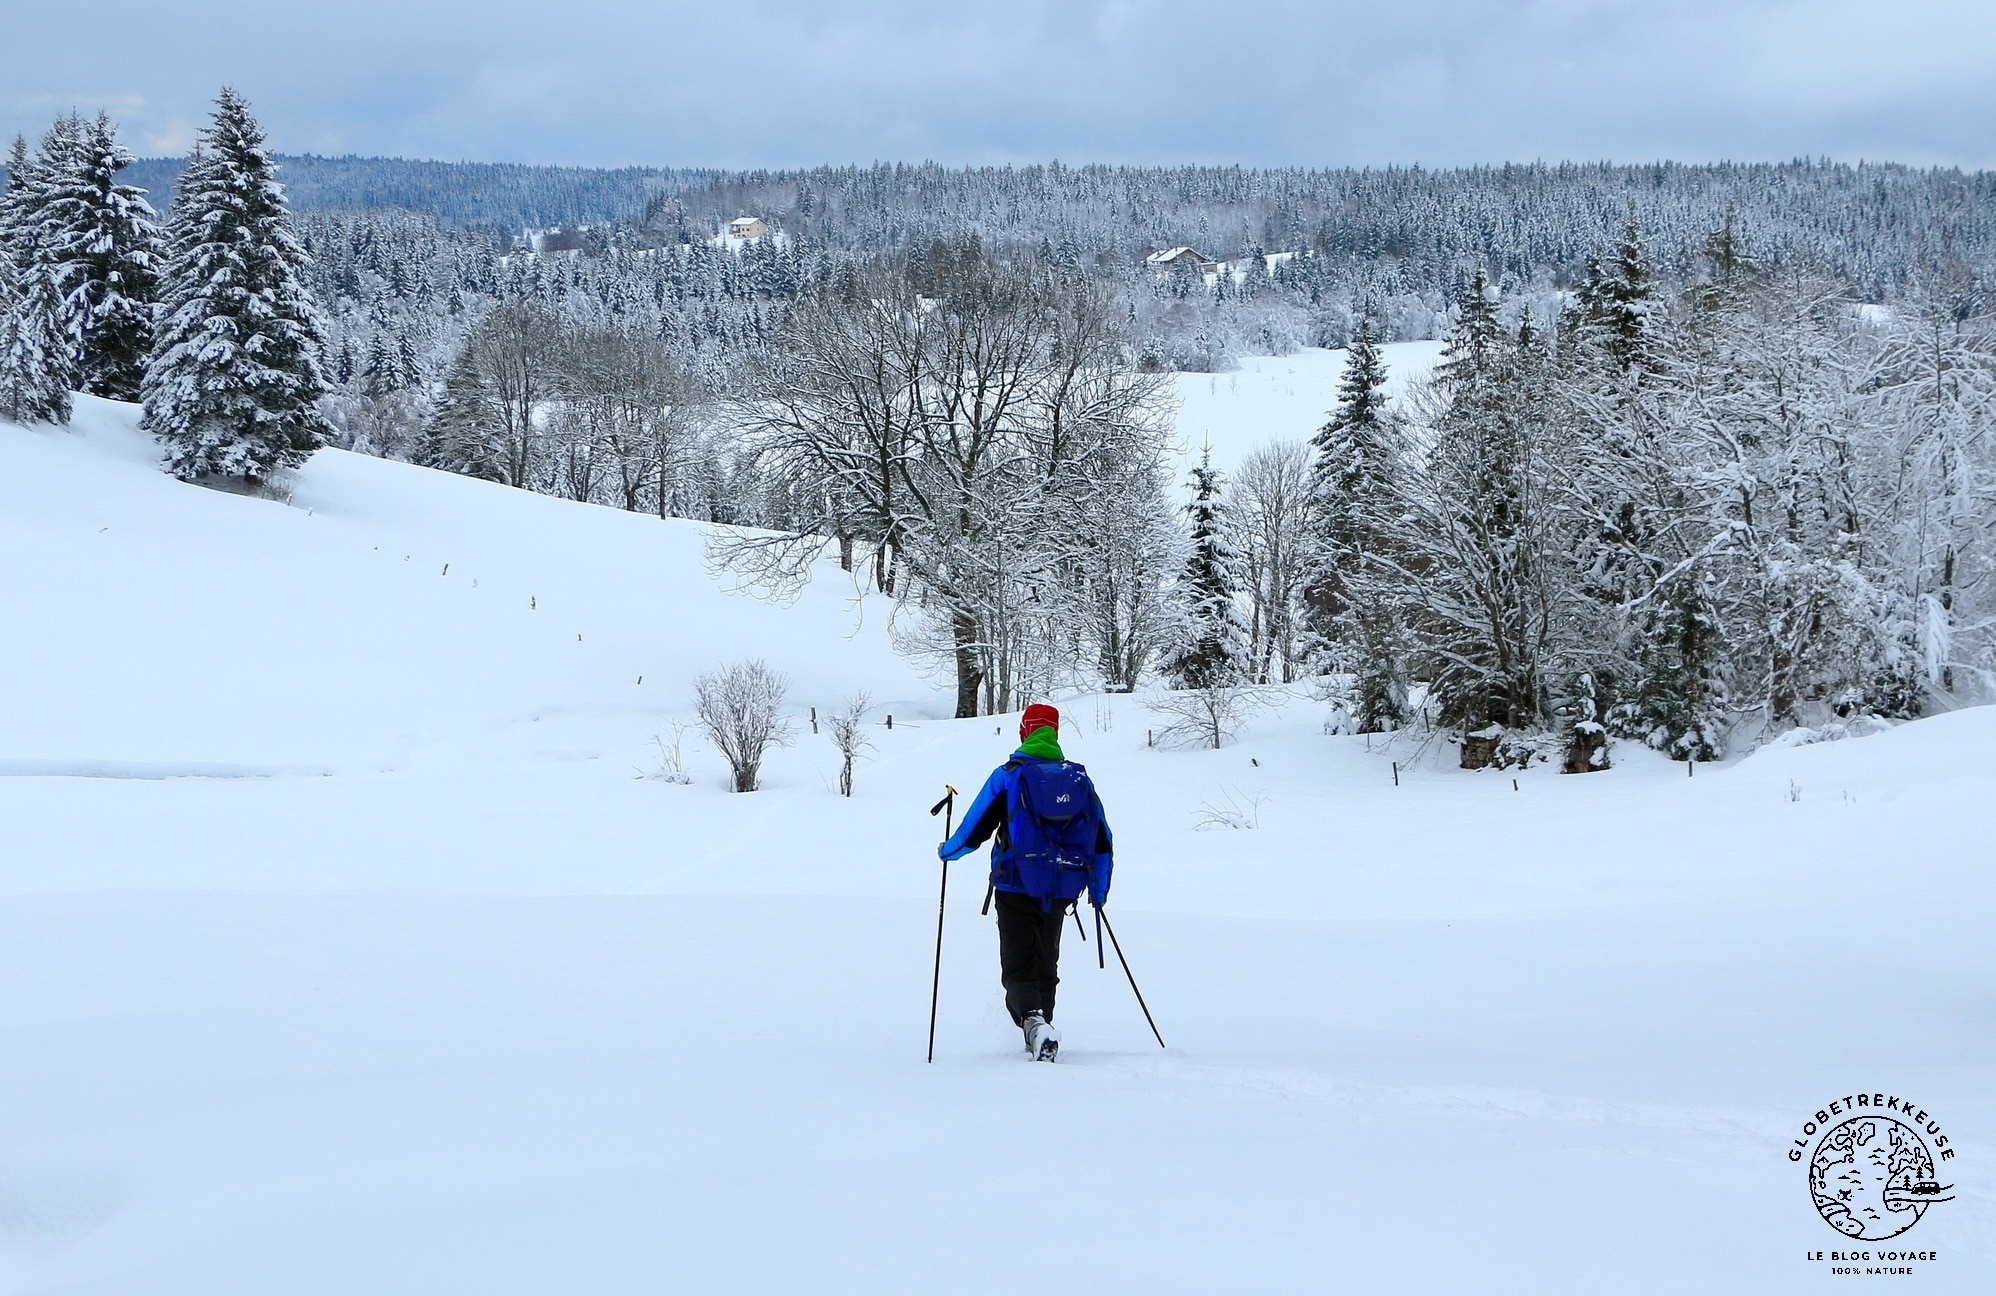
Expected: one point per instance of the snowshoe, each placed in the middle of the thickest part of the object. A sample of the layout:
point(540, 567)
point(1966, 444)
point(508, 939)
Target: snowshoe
point(1042, 1040)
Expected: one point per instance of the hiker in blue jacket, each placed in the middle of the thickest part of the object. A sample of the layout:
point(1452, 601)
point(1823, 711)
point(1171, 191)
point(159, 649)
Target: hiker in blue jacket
point(1052, 844)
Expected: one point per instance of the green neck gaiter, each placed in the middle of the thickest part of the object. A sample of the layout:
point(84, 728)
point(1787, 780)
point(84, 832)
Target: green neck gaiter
point(1044, 743)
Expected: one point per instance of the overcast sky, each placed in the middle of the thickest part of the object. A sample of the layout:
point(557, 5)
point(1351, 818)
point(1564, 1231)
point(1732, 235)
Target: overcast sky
point(790, 82)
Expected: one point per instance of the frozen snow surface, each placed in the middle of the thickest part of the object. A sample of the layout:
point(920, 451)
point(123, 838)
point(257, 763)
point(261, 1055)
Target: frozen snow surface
point(343, 949)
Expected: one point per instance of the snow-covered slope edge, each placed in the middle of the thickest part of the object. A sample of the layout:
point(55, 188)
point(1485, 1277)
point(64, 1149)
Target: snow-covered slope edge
point(385, 610)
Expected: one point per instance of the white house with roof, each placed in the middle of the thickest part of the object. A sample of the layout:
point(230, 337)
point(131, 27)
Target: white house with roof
point(1173, 256)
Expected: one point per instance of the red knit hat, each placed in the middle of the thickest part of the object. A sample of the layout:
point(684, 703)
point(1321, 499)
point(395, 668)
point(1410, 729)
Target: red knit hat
point(1038, 715)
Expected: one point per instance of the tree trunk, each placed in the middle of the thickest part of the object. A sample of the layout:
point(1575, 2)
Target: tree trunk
point(969, 676)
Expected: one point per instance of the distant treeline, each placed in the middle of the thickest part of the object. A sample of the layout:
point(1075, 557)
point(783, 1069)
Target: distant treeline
point(1877, 226)
point(482, 195)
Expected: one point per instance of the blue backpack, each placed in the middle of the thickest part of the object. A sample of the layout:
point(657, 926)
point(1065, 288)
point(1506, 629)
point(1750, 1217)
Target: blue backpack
point(1054, 826)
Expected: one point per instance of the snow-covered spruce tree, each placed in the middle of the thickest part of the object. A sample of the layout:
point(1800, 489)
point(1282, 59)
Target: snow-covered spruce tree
point(1619, 295)
point(1212, 645)
point(102, 242)
point(1680, 698)
point(36, 374)
point(454, 436)
point(1484, 576)
point(233, 383)
point(1658, 552)
point(379, 404)
point(1353, 488)
point(1640, 391)
point(1634, 491)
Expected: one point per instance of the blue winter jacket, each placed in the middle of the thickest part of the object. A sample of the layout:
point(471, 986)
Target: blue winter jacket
point(991, 814)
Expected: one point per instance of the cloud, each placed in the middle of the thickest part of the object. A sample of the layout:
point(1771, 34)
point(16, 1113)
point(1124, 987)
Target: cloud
point(783, 82)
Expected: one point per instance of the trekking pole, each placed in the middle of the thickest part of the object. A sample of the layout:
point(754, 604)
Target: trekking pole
point(1101, 954)
point(948, 803)
point(989, 887)
point(1126, 972)
point(1076, 911)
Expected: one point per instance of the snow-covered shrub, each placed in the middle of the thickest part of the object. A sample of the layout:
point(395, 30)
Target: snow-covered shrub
point(1862, 726)
point(1235, 811)
point(1203, 717)
point(848, 733)
point(1495, 747)
point(670, 765)
point(741, 708)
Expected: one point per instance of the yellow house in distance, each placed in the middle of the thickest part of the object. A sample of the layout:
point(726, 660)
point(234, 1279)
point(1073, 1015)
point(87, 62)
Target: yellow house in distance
point(747, 227)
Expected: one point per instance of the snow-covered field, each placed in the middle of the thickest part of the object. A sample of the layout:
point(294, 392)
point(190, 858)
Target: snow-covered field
point(342, 950)
point(1277, 398)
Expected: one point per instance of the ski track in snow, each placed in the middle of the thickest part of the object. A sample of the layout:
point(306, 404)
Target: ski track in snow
point(344, 946)
point(15, 768)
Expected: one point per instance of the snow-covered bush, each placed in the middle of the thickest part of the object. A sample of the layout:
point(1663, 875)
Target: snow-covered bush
point(848, 733)
point(1235, 811)
point(1203, 717)
point(670, 764)
point(741, 708)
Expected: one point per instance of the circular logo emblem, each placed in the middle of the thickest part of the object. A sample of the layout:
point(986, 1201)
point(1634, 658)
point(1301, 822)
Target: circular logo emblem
point(1872, 1177)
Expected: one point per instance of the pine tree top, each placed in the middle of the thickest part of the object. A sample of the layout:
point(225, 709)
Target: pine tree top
point(1361, 389)
point(1619, 295)
point(1214, 635)
point(1471, 351)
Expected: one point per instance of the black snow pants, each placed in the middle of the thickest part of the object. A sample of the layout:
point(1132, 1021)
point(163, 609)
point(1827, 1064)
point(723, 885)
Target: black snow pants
point(1028, 954)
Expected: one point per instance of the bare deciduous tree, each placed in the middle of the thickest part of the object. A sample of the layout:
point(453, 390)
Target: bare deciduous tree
point(1271, 520)
point(949, 417)
point(621, 428)
point(847, 727)
point(741, 708)
point(1204, 717)
point(486, 424)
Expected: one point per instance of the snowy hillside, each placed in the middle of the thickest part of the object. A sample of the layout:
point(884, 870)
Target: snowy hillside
point(343, 949)
point(1273, 398)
